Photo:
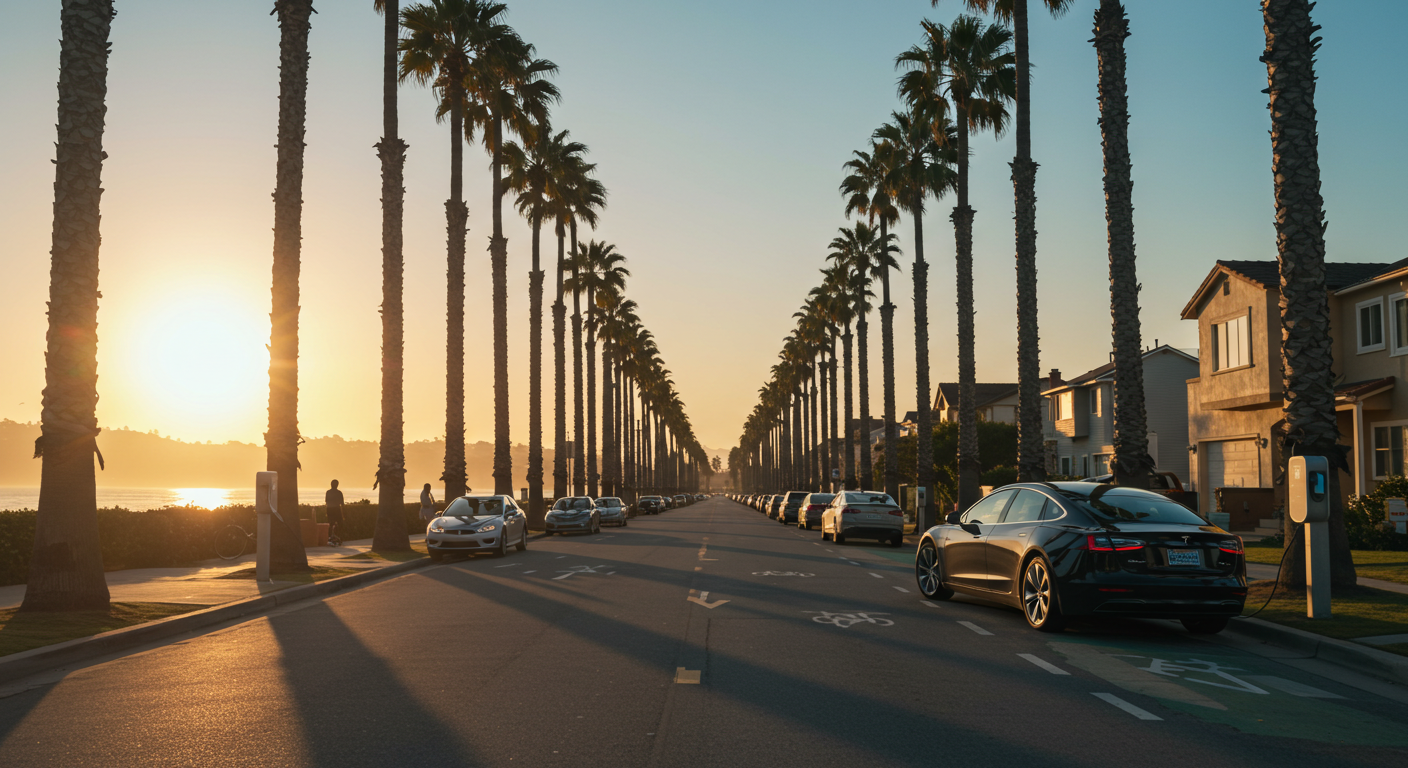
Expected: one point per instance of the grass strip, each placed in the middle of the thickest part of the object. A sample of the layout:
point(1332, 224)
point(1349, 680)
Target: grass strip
point(318, 573)
point(24, 631)
point(416, 552)
point(1369, 563)
point(1355, 612)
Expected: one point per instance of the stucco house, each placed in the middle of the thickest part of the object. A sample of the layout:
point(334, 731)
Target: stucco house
point(1079, 417)
point(995, 402)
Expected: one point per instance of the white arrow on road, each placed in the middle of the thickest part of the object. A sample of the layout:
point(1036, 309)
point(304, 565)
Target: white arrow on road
point(703, 600)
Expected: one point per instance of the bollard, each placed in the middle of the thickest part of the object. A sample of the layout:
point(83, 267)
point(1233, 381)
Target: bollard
point(266, 504)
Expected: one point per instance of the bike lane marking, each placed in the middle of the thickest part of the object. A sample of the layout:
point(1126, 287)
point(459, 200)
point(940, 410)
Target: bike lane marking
point(1043, 663)
point(1142, 714)
point(975, 627)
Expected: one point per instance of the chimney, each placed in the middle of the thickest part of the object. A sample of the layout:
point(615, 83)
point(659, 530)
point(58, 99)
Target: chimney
point(1055, 379)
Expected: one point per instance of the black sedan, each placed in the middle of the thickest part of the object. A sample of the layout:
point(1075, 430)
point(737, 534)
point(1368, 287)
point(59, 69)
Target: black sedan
point(1062, 550)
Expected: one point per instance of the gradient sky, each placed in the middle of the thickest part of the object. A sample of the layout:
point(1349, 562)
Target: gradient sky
point(719, 128)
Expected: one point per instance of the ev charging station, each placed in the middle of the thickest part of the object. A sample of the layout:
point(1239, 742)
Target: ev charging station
point(266, 504)
point(1310, 505)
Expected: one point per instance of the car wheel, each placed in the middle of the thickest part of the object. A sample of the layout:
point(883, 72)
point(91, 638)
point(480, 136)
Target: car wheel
point(929, 574)
point(502, 548)
point(1040, 603)
point(522, 541)
point(896, 540)
point(435, 554)
point(596, 527)
point(624, 523)
point(1205, 625)
point(838, 536)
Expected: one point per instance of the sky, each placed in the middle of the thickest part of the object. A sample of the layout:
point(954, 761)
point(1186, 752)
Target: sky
point(719, 129)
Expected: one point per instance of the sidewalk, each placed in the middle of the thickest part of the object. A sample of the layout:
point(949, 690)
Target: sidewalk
point(1261, 572)
point(201, 584)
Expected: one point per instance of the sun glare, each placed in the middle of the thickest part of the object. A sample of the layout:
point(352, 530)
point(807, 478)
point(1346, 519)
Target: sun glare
point(205, 498)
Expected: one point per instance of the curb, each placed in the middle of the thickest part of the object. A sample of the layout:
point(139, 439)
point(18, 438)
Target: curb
point(1360, 658)
point(20, 665)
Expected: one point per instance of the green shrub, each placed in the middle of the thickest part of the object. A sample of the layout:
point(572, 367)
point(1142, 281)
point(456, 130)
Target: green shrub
point(1365, 520)
point(999, 476)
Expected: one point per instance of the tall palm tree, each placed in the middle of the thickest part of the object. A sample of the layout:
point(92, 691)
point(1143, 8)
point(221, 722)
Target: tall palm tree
point(441, 41)
point(1131, 464)
point(921, 154)
point(867, 190)
point(581, 204)
point(390, 534)
point(508, 86)
point(66, 570)
point(1306, 358)
point(1031, 452)
point(282, 440)
point(964, 67)
point(596, 270)
point(865, 256)
point(841, 306)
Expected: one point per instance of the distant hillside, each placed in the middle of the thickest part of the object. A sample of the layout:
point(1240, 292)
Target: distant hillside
point(148, 460)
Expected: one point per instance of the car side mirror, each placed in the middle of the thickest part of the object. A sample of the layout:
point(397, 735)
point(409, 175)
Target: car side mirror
point(953, 517)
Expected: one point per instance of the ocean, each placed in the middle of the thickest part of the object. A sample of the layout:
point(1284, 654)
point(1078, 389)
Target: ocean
point(142, 499)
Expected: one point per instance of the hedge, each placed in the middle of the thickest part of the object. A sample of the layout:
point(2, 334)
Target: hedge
point(169, 537)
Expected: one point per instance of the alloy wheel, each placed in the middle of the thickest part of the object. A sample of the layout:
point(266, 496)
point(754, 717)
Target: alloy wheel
point(1036, 592)
point(926, 570)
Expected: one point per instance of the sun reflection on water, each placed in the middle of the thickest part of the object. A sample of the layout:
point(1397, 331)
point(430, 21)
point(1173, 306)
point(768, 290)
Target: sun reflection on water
point(206, 498)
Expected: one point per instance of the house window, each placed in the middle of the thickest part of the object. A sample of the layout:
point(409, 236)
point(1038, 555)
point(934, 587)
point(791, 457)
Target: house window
point(1371, 325)
point(1094, 401)
point(1066, 466)
point(1064, 403)
point(1231, 343)
point(1388, 450)
point(1102, 463)
point(1398, 322)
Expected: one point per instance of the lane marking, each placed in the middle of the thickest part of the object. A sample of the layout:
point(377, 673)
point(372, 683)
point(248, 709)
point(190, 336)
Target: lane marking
point(687, 676)
point(563, 576)
point(703, 600)
point(901, 589)
point(975, 627)
point(525, 573)
point(698, 567)
point(1044, 664)
point(1292, 687)
point(876, 575)
point(931, 605)
point(510, 565)
point(562, 557)
point(1111, 698)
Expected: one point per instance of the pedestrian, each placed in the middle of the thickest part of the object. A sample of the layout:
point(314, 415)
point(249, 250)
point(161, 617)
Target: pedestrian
point(333, 500)
point(427, 504)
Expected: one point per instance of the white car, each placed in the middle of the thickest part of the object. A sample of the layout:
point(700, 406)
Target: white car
point(477, 524)
point(867, 514)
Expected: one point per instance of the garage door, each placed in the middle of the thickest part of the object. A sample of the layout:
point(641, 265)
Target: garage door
point(1233, 464)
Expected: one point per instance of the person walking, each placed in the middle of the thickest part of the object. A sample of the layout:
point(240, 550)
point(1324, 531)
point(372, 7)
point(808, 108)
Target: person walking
point(333, 500)
point(427, 504)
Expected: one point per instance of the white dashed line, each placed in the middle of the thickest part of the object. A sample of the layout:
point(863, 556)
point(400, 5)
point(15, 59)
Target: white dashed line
point(525, 573)
point(510, 565)
point(563, 576)
point(975, 627)
point(561, 557)
point(931, 605)
point(900, 589)
point(1044, 664)
point(1126, 706)
point(876, 575)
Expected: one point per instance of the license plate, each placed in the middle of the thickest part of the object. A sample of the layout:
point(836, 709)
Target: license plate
point(1184, 557)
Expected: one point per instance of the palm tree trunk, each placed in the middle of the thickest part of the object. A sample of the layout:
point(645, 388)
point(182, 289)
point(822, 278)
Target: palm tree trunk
point(559, 351)
point(866, 476)
point(1306, 353)
point(923, 441)
point(608, 420)
point(850, 446)
point(390, 534)
point(1031, 451)
point(825, 423)
point(593, 476)
point(579, 477)
point(887, 362)
point(536, 509)
point(836, 459)
point(1131, 464)
point(456, 215)
point(281, 441)
point(814, 444)
point(498, 260)
point(66, 569)
point(969, 466)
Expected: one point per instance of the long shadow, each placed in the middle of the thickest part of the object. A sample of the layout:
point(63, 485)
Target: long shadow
point(353, 707)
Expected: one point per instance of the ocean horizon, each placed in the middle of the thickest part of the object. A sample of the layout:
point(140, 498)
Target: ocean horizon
point(143, 499)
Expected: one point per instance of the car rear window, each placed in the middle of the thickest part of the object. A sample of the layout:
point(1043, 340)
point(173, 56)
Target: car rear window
point(821, 498)
point(869, 498)
point(796, 496)
point(1134, 506)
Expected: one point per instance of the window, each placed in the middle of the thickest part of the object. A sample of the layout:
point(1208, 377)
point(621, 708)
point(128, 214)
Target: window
point(1388, 450)
point(1102, 463)
point(1231, 343)
point(1064, 405)
point(989, 509)
point(1398, 322)
point(1026, 508)
point(1095, 401)
point(1371, 325)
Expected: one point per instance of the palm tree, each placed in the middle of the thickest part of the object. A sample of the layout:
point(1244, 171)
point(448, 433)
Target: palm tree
point(921, 155)
point(390, 534)
point(1311, 428)
point(965, 67)
point(841, 307)
point(867, 191)
point(581, 203)
point(508, 86)
point(1131, 464)
point(596, 270)
point(66, 570)
point(282, 440)
point(440, 44)
point(865, 256)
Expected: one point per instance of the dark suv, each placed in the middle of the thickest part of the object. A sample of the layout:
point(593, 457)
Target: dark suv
point(650, 505)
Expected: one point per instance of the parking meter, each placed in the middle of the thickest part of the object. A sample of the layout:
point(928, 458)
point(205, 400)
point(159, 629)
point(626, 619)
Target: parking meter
point(1309, 499)
point(266, 505)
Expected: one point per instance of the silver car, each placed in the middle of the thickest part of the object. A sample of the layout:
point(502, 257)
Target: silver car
point(477, 524)
point(573, 513)
point(611, 511)
point(866, 514)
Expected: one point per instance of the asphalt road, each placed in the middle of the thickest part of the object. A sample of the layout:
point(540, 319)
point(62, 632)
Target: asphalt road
point(583, 651)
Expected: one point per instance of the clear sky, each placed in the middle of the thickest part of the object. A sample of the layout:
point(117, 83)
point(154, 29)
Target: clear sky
point(720, 129)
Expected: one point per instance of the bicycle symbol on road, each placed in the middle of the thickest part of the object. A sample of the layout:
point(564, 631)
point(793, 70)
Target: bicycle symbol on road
point(844, 620)
point(1169, 668)
point(783, 573)
point(578, 570)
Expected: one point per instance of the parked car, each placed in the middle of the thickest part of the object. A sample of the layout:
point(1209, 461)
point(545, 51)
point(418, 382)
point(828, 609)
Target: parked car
point(863, 514)
point(813, 506)
point(1061, 550)
point(573, 513)
point(681, 500)
point(611, 511)
point(775, 505)
point(651, 505)
point(791, 507)
point(477, 524)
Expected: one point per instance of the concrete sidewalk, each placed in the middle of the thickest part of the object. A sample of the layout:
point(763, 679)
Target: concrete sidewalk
point(201, 584)
point(1261, 572)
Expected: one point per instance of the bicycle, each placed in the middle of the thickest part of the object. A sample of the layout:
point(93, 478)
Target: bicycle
point(231, 541)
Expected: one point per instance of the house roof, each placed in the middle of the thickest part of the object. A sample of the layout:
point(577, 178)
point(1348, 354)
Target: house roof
point(1267, 274)
point(1107, 371)
point(983, 393)
point(1356, 390)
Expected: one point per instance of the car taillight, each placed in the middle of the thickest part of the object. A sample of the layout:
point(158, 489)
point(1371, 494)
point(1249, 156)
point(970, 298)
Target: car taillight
point(814, 507)
point(897, 513)
point(847, 511)
point(1231, 546)
point(1111, 543)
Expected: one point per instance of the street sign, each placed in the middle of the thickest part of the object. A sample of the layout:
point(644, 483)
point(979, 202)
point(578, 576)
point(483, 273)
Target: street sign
point(1398, 514)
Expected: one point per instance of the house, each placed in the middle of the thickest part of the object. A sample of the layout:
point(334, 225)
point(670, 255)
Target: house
point(909, 425)
point(1080, 415)
point(1235, 403)
point(995, 402)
